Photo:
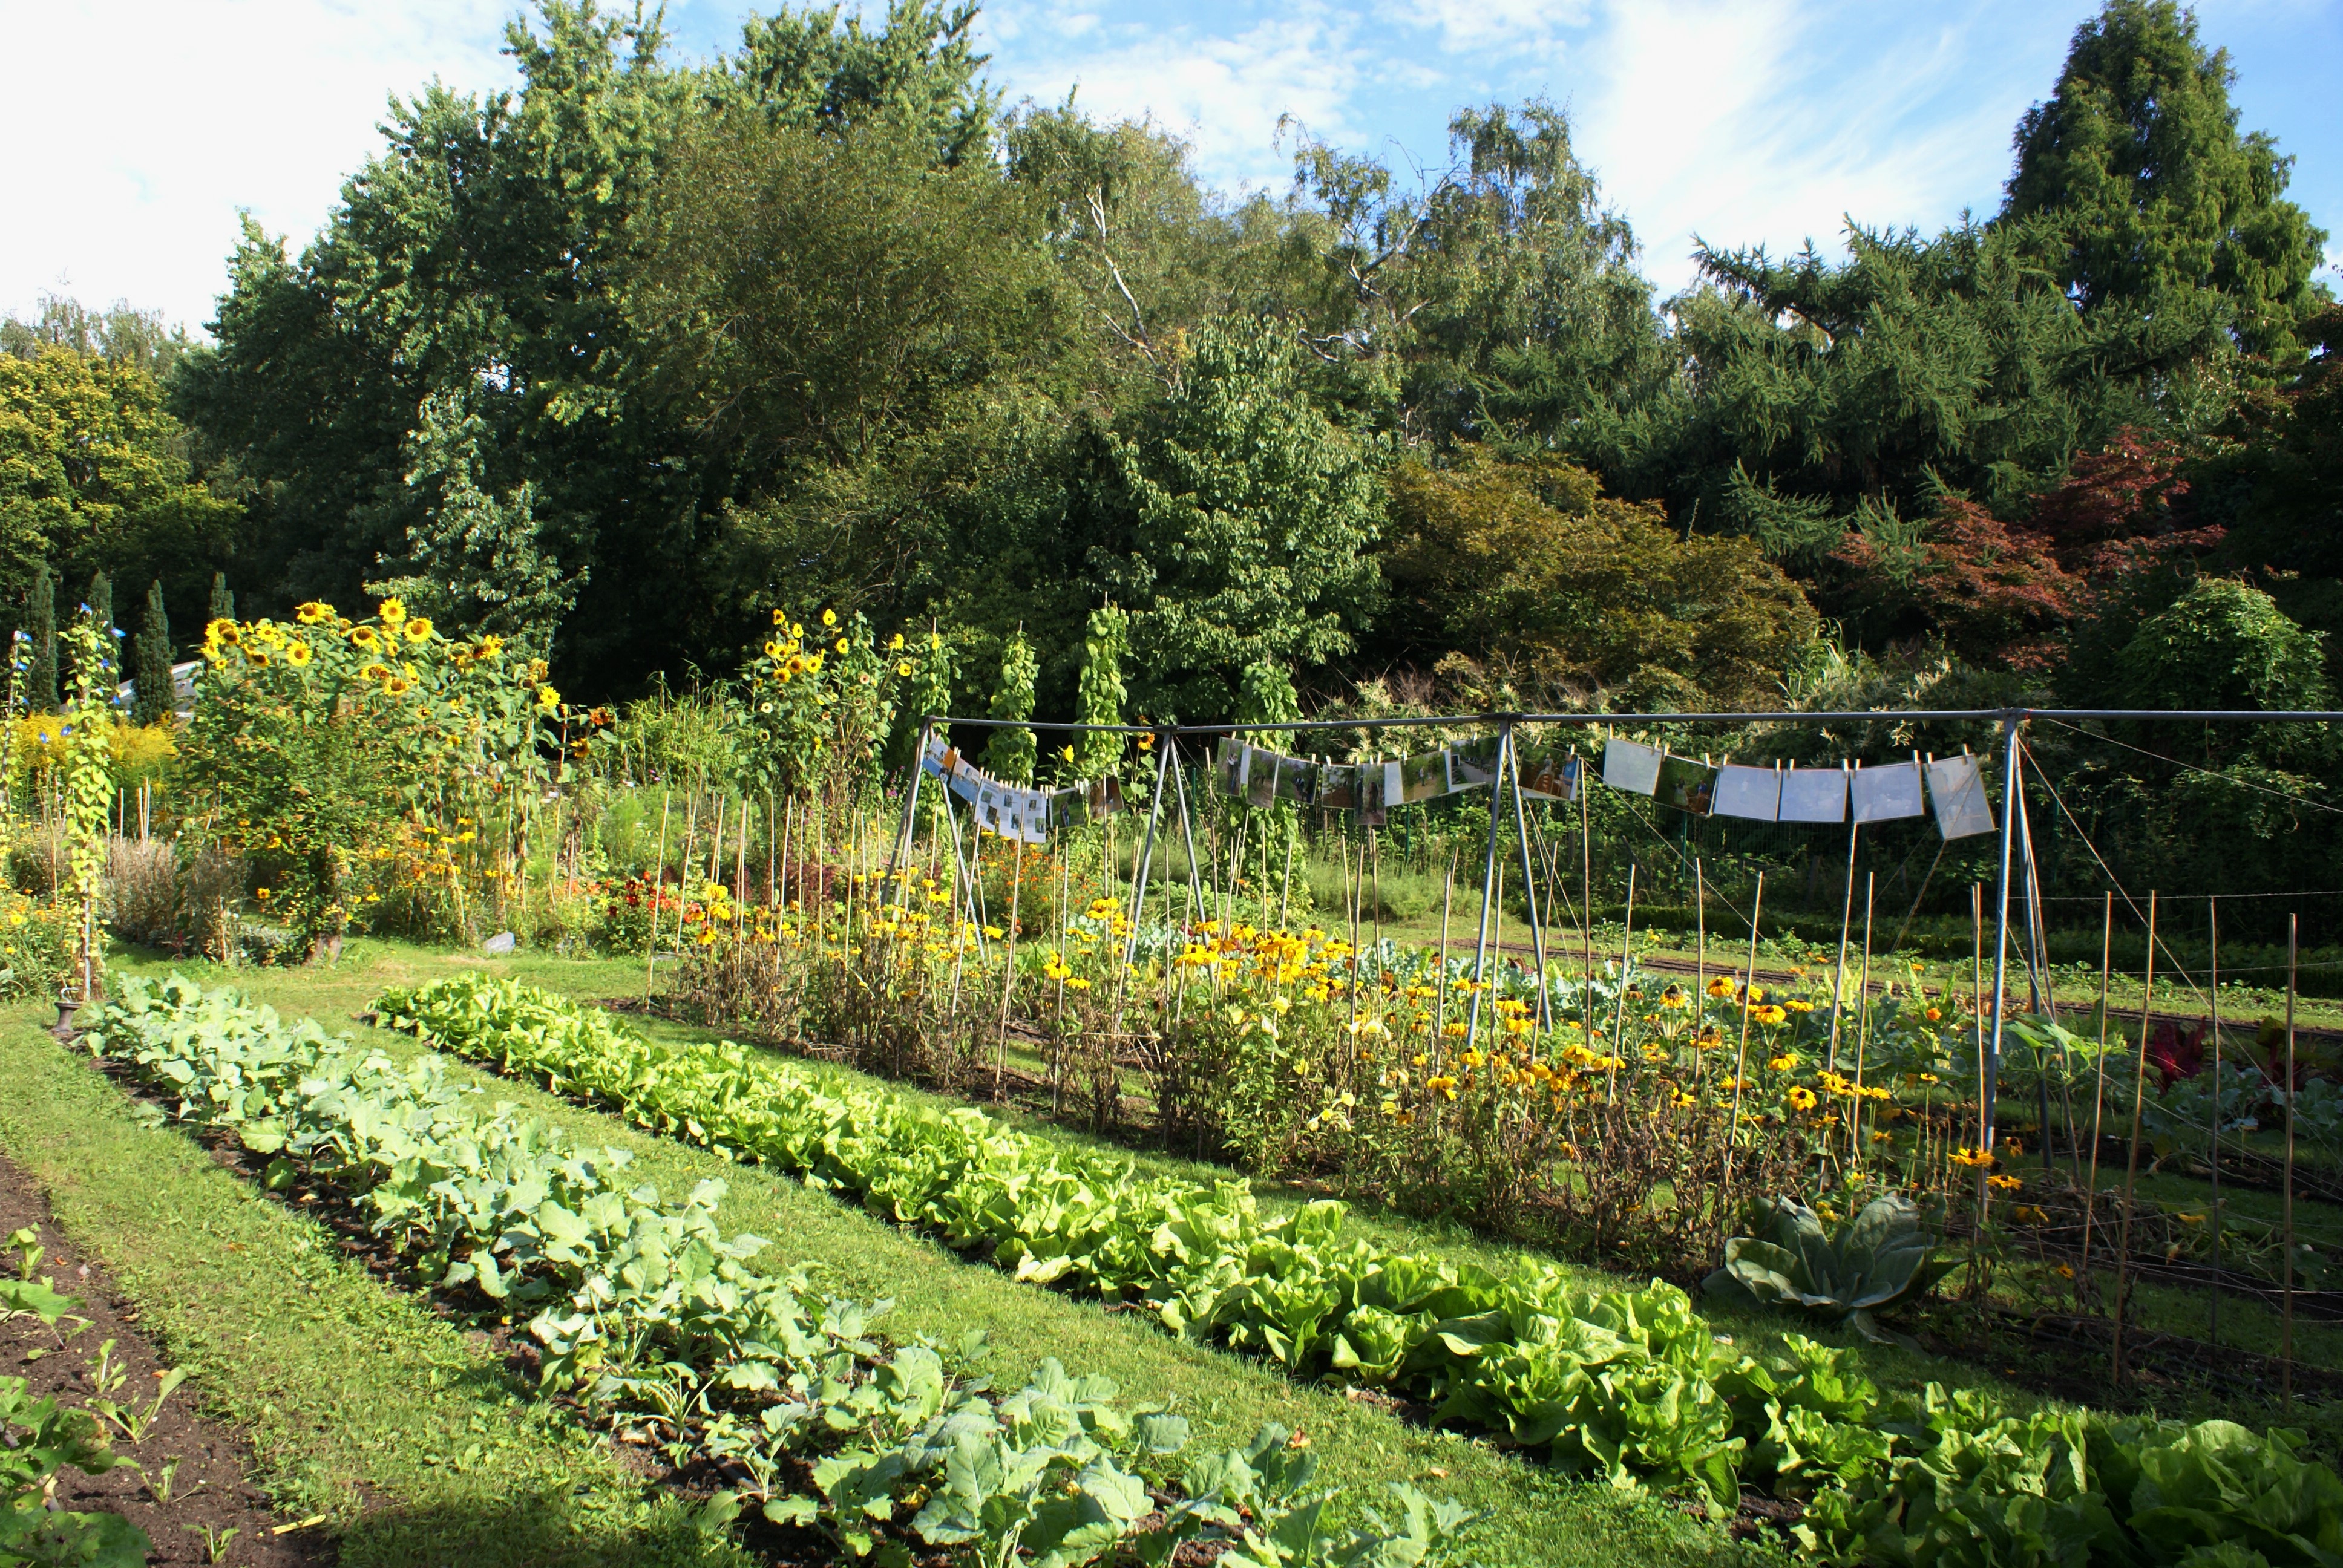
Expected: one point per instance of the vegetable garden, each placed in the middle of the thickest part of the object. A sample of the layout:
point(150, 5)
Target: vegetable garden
point(1637, 1167)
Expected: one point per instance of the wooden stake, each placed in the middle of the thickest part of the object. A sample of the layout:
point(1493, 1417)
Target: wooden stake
point(1619, 1013)
point(2213, 991)
point(2131, 1160)
point(1439, 987)
point(2285, 1321)
point(1699, 963)
point(1740, 1060)
point(658, 881)
point(1838, 972)
point(1009, 966)
point(2099, 1094)
point(1862, 1023)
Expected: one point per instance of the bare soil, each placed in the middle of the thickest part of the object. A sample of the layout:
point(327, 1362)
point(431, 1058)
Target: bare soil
point(211, 1488)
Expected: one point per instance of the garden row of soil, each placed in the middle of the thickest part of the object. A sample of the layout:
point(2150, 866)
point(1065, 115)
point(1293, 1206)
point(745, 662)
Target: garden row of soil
point(210, 1488)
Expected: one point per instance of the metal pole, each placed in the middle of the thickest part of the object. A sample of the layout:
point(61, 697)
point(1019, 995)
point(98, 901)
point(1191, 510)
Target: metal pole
point(1529, 884)
point(1989, 1081)
point(1488, 894)
point(2131, 1161)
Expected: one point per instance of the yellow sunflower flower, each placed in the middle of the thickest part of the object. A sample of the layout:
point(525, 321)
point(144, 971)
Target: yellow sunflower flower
point(392, 611)
point(418, 629)
point(297, 654)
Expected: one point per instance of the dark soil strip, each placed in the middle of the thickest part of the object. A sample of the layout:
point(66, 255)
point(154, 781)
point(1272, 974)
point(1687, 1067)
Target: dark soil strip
point(209, 1489)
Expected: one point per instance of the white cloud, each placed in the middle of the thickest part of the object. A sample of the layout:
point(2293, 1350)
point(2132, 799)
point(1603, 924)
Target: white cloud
point(1465, 25)
point(1224, 92)
point(1768, 122)
point(140, 129)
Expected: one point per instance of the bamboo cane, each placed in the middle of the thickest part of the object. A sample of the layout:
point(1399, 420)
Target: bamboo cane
point(1619, 1012)
point(2098, 1096)
point(2131, 1160)
point(1862, 1023)
point(2213, 991)
point(658, 881)
point(1699, 962)
point(2286, 1321)
point(1440, 986)
point(1009, 969)
point(1838, 971)
point(1741, 1058)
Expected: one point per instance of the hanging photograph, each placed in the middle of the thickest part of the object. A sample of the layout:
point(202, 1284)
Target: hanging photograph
point(1035, 817)
point(1887, 793)
point(1549, 772)
point(1754, 793)
point(1814, 795)
point(1372, 779)
point(965, 784)
point(1105, 798)
point(1338, 787)
point(1422, 777)
point(1297, 780)
point(1473, 763)
point(1261, 777)
point(1956, 785)
point(938, 756)
point(1228, 765)
point(1630, 766)
point(1069, 809)
point(1687, 785)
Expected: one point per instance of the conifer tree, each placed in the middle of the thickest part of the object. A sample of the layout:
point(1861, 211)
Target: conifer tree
point(41, 621)
point(1009, 754)
point(101, 600)
point(222, 600)
point(2137, 176)
point(155, 694)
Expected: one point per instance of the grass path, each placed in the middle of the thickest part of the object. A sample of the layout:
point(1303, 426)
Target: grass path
point(360, 1403)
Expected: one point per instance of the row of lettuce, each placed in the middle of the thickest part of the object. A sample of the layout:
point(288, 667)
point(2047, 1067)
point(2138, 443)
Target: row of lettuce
point(1629, 1386)
point(648, 1316)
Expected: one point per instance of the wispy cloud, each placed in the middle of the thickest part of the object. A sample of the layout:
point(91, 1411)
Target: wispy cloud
point(140, 130)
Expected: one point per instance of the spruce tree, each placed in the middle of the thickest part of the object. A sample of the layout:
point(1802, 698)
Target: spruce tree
point(1009, 754)
point(2134, 175)
point(223, 601)
point(155, 697)
point(41, 621)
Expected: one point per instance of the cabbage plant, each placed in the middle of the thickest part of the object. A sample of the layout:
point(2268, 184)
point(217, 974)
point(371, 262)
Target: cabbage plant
point(1842, 1274)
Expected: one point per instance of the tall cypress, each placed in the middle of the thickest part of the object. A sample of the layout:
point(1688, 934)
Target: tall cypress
point(41, 621)
point(156, 698)
point(101, 600)
point(223, 601)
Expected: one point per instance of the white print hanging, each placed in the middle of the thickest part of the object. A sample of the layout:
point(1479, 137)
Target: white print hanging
point(1036, 818)
point(938, 756)
point(1394, 786)
point(1629, 766)
point(1472, 764)
point(1887, 794)
point(1260, 769)
point(1957, 787)
point(1754, 793)
point(1549, 775)
point(1814, 795)
point(963, 785)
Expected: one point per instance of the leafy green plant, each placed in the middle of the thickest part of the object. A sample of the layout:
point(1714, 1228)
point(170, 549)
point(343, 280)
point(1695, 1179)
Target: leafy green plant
point(1842, 1274)
point(39, 1439)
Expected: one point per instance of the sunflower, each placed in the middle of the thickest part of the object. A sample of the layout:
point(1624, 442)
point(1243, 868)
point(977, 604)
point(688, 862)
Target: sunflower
point(895, 643)
point(297, 654)
point(1800, 1098)
point(362, 636)
point(602, 718)
point(398, 686)
point(419, 629)
point(392, 611)
point(830, 618)
point(489, 648)
point(313, 612)
point(904, 668)
point(258, 655)
point(841, 645)
point(772, 651)
point(547, 699)
point(223, 631)
point(378, 670)
point(781, 618)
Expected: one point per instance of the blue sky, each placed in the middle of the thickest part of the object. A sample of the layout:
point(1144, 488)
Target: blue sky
point(1748, 122)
